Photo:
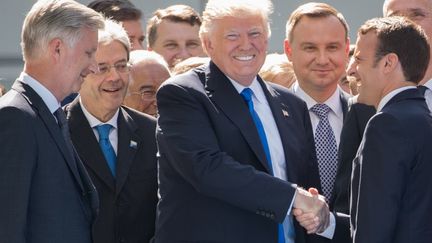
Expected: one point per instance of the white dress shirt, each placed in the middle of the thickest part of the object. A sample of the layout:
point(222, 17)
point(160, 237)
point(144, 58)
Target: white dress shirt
point(428, 94)
point(94, 122)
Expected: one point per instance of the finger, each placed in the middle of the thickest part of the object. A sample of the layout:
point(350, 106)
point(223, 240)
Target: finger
point(297, 212)
point(313, 191)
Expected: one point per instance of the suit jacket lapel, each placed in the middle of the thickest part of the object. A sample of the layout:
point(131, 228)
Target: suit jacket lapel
point(220, 90)
point(128, 142)
point(282, 115)
point(86, 144)
point(50, 123)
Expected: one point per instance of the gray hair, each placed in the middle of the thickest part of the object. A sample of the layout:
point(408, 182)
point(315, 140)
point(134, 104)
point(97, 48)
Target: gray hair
point(113, 31)
point(138, 56)
point(217, 9)
point(50, 19)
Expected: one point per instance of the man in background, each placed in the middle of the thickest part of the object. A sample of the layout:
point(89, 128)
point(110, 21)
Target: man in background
point(129, 16)
point(317, 44)
point(116, 144)
point(419, 11)
point(148, 71)
point(173, 33)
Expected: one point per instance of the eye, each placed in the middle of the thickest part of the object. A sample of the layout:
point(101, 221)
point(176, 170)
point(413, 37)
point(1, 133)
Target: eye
point(232, 36)
point(170, 46)
point(192, 45)
point(141, 39)
point(309, 48)
point(255, 34)
point(333, 48)
point(103, 69)
point(89, 54)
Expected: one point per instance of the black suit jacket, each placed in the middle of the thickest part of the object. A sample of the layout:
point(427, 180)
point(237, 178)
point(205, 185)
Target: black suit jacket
point(215, 184)
point(390, 191)
point(128, 202)
point(46, 195)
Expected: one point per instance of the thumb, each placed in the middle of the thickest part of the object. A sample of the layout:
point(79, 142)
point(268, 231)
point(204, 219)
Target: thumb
point(313, 191)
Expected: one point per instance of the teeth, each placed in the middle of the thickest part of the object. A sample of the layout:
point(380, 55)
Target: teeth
point(244, 58)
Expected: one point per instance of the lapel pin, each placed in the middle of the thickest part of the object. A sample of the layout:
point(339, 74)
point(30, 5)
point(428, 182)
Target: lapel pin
point(133, 144)
point(285, 113)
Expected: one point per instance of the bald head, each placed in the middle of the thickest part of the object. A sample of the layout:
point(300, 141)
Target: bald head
point(148, 71)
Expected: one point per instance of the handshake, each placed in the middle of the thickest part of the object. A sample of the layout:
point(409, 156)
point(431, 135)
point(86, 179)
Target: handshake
point(311, 210)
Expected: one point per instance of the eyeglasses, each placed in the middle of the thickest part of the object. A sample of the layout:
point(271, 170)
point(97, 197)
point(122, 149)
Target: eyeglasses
point(146, 94)
point(120, 67)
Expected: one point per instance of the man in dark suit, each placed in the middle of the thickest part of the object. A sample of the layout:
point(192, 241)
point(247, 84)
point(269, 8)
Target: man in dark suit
point(232, 146)
point(121, 160)
point(388, 202)
point(317, 44)
point(46, 193)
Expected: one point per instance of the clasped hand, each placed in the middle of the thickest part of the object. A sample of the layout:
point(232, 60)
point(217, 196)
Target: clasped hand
point(311, 210)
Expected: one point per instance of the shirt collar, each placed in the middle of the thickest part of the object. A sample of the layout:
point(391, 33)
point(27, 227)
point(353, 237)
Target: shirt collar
point(255, 87)
point(429, 84)
point(333, 101)
point(94, 122)
point(390, 95)
point(48, 98)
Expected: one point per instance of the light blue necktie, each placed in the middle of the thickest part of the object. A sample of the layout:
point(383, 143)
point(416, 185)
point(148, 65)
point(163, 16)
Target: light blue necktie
point(326, 149)
point(247, 96)
point(106, 147)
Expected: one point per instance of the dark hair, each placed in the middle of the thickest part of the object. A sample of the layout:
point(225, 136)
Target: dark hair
point(404, 38)
point(174, 13)
point(313, 10)
point(119, 10)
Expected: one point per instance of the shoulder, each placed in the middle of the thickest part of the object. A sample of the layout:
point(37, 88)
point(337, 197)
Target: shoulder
point(285, 94)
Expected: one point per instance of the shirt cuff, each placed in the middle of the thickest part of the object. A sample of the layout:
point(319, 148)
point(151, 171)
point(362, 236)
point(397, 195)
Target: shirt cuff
point(329, 232)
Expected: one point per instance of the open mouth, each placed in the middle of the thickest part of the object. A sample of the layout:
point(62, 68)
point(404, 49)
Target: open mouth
point(111, 90)
point(244, 58)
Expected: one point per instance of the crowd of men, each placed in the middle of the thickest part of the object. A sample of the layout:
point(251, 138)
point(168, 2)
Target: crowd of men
point(106, 142)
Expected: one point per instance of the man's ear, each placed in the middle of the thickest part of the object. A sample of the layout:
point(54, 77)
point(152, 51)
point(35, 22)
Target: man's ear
point(391, 62)
point(287, 49)
point(55, 48)
point(207, 45)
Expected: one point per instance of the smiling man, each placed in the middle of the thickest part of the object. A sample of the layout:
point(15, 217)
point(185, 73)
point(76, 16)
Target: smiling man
point(317, 44)
point(173, 33)
point(232, 147)
point(116, 144)
point(389, 203)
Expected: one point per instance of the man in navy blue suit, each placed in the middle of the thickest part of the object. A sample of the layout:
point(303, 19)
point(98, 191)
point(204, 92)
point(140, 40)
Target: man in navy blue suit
point(232, 147)
point(46, 193)
point(392, 167)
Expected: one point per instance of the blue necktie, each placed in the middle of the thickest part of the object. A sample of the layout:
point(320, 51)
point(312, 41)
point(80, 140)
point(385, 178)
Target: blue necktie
point(247, 96)
point(106, 147)
point(326, 149)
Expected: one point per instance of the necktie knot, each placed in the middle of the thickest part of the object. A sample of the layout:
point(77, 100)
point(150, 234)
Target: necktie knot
point(103, 131)
point(247, 94)
point(321, 110)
